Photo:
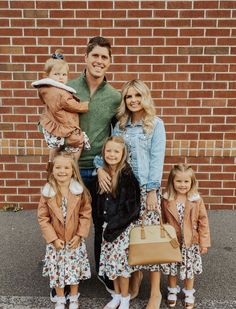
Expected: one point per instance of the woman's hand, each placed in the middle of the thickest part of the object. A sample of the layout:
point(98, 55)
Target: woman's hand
point(58, 244)
point(203, 250)
point(74, 243)
point(151, 202)
point(104, 180)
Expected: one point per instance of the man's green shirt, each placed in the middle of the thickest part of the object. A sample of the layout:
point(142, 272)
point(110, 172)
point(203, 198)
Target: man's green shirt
point(96, 122)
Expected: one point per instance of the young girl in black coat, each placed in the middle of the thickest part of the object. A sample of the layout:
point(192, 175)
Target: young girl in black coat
point(119, 208)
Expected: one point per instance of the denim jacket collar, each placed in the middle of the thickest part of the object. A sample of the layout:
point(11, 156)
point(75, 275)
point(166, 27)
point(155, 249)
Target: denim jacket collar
point(129, 123)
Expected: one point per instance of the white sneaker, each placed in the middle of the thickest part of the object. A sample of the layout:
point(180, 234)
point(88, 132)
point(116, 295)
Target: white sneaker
point(74, 303)
point(114, 303)
point(61, 301)
point(124, 304)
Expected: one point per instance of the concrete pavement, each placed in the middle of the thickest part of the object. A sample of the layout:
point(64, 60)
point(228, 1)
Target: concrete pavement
point(23, 287)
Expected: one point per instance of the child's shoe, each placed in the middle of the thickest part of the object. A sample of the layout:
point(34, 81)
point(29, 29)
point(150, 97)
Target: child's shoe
point(124, 303)
point(114, 303)
point(74, 301)
point(172, 296)
point(189, 301)
point(61, 301)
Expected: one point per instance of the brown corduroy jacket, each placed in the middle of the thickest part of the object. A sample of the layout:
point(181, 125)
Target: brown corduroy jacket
point(196, 226)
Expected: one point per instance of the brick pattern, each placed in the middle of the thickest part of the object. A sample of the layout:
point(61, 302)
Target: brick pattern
point(184, 50)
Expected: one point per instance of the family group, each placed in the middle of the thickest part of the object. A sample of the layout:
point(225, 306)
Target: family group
point(106, 158)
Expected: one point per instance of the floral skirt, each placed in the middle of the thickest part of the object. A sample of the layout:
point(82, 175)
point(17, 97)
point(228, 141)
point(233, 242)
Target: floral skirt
point(114, 257)
point(66, 266)
point(191, 264)
point(151, 217)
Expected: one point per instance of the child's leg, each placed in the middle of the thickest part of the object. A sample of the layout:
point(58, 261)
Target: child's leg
point(188, 284)
point(60, 300)
point(116, 298)
point(78, 154)
point(188, 290)
point(74, 289)
point(173, 290)
point(172, 281)
point(125, 296)
point(124, 286)
point(135, 282)
point(60, 292)
point(52, 153)
point(74, 296)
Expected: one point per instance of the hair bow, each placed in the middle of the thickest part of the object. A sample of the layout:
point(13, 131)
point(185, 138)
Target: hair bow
point(57, 56)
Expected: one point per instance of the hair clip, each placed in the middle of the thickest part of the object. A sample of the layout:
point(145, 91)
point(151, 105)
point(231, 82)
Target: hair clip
point(57, 56)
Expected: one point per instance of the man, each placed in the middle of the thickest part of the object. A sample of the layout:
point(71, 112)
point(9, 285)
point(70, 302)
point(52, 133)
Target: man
point(103, 103)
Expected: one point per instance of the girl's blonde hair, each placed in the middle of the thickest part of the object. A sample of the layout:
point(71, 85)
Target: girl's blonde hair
point(181, 168)
point(57, 60)
point(76, 175)
point(122, 164)
point(146, 102)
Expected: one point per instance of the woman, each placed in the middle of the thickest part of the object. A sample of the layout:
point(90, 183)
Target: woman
point(144, 134)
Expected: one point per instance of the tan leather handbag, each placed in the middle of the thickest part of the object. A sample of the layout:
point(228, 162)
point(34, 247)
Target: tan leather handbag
point(153, 244)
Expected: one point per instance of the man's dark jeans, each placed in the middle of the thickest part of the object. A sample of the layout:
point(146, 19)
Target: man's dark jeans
point(90, 182)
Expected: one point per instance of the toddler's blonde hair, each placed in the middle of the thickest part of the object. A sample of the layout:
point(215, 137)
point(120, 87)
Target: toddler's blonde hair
point(181, 168)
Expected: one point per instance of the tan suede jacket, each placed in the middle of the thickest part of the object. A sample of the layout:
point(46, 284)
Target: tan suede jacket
point(60, 117)
point(196, 225)
point(50, 216)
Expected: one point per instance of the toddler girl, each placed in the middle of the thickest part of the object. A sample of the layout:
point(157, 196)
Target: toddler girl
point(118, 208)
point(60, 121)
point(183, 208)
point(64, 215)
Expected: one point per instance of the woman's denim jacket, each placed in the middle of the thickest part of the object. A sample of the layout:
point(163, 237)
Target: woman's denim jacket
point(146, 152)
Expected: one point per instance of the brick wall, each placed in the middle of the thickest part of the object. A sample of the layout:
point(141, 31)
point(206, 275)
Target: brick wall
point(184, 50)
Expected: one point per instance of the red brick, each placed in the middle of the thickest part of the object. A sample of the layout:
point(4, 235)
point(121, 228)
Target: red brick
point(151, 23)
point(74, 23)
point(10, 13)
point(203, 41)
point(123, 5)
point(4, 23)
point(55, 23)
point(100, 23)
point(35, 14)
point(203, 23)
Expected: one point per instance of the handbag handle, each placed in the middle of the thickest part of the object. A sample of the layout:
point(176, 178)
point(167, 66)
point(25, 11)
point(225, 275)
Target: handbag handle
point(174, 241)
point(162, 228)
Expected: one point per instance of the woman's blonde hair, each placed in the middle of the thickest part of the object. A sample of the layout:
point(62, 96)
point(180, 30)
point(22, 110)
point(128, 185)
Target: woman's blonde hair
point(123, 113)
point(180, 168)
point(56, 60)
point(75, 175)
point(122, 164)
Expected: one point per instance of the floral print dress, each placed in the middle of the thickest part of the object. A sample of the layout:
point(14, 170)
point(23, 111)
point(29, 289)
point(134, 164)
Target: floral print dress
point(114, 256)
point(66, 266)
point(191, 259)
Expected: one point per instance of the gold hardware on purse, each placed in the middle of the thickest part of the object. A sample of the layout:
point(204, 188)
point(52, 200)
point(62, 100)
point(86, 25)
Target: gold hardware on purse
point(153, 244)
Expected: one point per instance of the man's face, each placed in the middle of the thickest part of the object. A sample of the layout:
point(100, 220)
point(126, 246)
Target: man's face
point(98, 62)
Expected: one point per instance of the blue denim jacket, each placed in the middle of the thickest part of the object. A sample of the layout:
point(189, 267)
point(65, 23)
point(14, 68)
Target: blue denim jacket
point(146, 151)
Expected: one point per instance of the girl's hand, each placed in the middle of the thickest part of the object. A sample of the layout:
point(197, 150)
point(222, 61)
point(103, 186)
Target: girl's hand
point(74, 243)
point(104, 180)
point(203, 250)
point(151, 202)
point(58, 244)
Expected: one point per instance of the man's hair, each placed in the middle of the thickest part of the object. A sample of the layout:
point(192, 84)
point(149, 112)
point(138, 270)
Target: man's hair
point(98, 41)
